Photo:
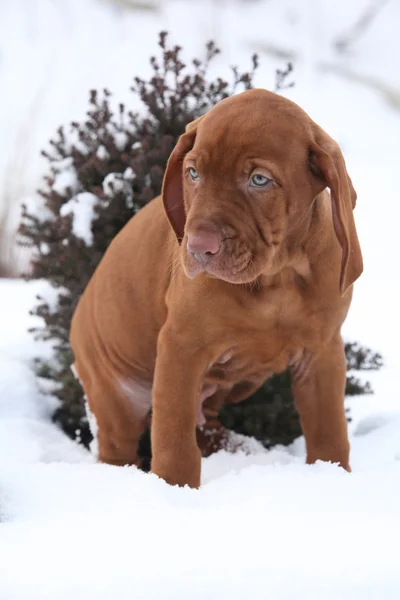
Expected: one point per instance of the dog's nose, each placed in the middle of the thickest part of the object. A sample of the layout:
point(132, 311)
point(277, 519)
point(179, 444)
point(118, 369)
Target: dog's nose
point(203, 246)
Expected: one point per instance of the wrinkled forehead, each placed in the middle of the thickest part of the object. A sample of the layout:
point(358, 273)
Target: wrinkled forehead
point(277, 131)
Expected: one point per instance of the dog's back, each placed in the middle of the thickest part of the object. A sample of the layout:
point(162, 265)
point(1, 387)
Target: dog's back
point(134, 275)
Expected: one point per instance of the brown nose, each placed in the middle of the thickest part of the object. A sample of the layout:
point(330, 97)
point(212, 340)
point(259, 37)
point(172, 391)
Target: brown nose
point(203, 246)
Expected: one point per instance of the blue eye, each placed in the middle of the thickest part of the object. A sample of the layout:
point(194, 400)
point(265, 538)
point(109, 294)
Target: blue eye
point(194, 176)
point(259, 180)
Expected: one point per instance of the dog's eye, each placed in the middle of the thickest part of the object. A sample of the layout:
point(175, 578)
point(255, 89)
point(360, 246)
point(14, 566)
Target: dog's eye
point(194, 176)
point(259, 180)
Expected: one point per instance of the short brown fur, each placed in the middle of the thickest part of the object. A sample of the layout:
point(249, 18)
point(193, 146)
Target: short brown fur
point(166, 328)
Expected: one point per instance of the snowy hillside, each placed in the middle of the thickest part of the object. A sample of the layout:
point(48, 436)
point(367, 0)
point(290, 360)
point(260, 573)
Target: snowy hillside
point(71, 529)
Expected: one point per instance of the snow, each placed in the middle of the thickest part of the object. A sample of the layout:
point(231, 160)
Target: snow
point(81, 207)
point(37, 207)
point(66, 179)
point(44, 248)
point(120, 182)
point(102, 153)
point(112, 183)
point(263, 524)
point(145, 540)
point(129, 175)
point(121, 139)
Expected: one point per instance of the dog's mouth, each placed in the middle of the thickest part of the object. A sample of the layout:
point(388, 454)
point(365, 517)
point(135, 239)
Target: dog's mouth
point(229, 267)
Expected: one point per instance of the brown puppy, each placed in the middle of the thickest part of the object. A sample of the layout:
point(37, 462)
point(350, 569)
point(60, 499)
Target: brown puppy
point(254, 275)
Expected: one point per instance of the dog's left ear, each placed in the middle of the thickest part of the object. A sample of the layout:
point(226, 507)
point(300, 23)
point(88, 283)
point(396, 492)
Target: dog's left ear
point(328, 164)
point(172, 188)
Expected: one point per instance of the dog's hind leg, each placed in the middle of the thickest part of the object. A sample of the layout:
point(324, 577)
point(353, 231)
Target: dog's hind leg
point(121, 409)
point(211, 434)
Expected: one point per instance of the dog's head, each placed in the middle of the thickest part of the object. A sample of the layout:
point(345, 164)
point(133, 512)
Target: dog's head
point(240, 185)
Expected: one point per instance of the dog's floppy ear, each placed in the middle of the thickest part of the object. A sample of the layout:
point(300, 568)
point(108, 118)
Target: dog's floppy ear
point(172, 188)
point(328, 164)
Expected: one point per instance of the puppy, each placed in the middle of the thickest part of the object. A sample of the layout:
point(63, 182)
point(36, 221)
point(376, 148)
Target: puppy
point(242, 268)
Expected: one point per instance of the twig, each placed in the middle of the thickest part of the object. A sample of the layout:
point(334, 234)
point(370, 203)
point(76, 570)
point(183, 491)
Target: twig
point(281, 77)
point(343, 42)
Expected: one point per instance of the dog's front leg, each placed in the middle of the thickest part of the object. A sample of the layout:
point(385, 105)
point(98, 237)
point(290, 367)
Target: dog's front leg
point(318, 387)
point(176, 395)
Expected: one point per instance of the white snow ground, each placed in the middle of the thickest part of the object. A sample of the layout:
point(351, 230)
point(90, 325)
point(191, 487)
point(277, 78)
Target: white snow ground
point(262, 525)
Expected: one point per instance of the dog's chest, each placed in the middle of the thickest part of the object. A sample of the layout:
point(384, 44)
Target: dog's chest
point(252, 359)
point(268, 341)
